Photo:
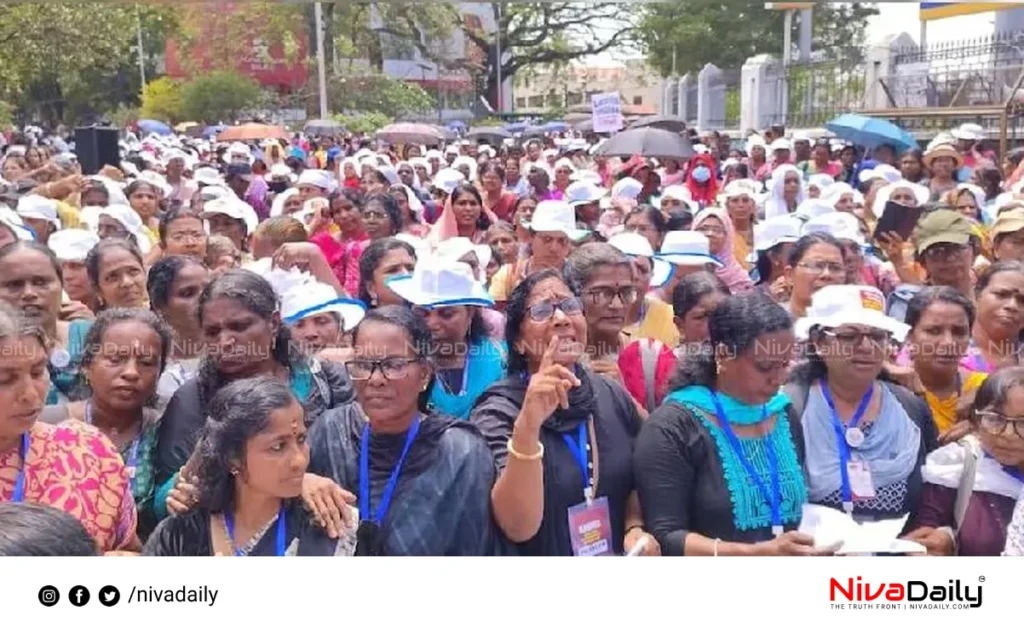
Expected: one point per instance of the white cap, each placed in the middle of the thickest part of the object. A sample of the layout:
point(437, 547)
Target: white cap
point(130, 220)
point(469, 162)
point(447, 179)
point(314, 298)
point(838, 224)
point(742, 187)
point(921, 195)
point(239, 148)
point(812, 208)
point(627, 188)
point(437, 282)
point(390, 174)
point(72, 245)
point(635, 245)
point(281, 171)
point(14, 221)
point(455, 248)
point(584, 192)
point(781, 229)
point(157, 181)
point(588, 175)
point(753, 141)
point(887, 172)
point(835, 306)
point(969, 132)
point(233, 208)
point(687, 248)
point(207, 176)
point(35, 207)
point(314, 178)
point(556, 216)
point(565, 162)
point(780, 143)
point(821, 181)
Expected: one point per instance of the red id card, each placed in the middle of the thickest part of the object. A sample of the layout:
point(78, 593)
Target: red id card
point(590, 528)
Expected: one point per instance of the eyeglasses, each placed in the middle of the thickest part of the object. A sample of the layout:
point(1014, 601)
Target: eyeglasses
point(394, 368)
point(375, 215)
point(544, 310)
point(876, 337)
point(604, 296)
point(819, 268)
point(945, 251)
point(995, 423)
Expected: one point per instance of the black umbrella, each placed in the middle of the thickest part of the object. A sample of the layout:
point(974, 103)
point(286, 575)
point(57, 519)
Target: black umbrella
point(492, 135)
point(584, 126)
point(323, 127)
point(648, 142)
point(670, 123)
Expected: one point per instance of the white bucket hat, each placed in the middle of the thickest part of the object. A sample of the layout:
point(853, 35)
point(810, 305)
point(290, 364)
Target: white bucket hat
point(130, 220)
point(682, 195)
point(834, 306)
point(556, 216)
point(233, 208)
point(583, 192)
point(35, 207)
point(318, 298)
point(969, 132)
point(635, 245)
point(447, 179)
point(812, 208)
point(437, 282)
point(455, 248)
point(782, 229)
point(885, 172)
point(314, 178)
point(838, 224)
point(687, 248)
point(207, 176)
point(72, 245)
point(627, 188)
point(16, 224)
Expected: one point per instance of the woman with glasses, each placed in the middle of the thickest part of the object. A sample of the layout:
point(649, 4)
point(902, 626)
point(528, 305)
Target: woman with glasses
point(717, 227)
point(422, 478)
point(466, 361)
point(971, 486)
point(182, 232)
point(604, 277)
point(815, 262)
point(940, 320)
point(561, 436)
point(250, 462)
point(718, 465)
point(996, 334)
point(865, 437)
point(649, 222)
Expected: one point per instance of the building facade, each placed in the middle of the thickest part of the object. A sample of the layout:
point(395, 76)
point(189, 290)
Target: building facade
point(572, 84)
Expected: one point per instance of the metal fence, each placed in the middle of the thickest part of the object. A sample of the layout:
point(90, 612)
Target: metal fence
point(724, 99)
point(818, 91)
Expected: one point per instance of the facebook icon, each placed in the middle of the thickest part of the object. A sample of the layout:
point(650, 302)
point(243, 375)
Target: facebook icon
point(79, 596)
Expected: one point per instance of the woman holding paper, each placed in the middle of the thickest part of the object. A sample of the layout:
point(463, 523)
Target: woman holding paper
point(719, 465)
point(971, 486)
point(865, 436)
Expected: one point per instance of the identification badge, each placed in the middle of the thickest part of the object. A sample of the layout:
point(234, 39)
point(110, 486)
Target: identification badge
point(60, 358)
point(590, 528)
point(861, 486)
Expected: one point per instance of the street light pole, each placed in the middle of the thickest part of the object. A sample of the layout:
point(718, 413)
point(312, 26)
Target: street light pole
point(320, 63)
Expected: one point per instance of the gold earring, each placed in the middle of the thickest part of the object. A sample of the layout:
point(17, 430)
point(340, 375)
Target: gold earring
point(718, 367)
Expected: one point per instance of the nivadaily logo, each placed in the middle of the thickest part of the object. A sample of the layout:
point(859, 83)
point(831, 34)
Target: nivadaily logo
point(912, 594)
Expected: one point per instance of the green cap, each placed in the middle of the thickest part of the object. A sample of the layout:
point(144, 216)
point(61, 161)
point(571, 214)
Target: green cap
point(942, 226)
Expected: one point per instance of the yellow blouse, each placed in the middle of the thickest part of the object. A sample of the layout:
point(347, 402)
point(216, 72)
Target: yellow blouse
point(944, 411)
point(658, 323)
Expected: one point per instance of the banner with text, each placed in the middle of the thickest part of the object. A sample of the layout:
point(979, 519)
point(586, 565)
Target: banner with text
point(607, 112)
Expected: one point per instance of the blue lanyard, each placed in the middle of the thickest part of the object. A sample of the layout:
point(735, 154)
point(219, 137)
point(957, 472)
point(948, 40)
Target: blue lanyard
point(1009, 470)
point(582, 455)
point(844, 448)
point(364, 475)
point(133, 453)
point(773, 497)
point(229, 523)
point(19, 481)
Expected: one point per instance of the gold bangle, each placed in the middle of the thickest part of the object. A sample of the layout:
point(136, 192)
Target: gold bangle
point(523, 457)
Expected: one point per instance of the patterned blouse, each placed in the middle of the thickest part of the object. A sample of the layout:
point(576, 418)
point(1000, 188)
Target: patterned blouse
point(75, 468)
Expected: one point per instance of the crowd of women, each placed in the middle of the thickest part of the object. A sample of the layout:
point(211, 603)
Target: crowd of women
point(332, 347)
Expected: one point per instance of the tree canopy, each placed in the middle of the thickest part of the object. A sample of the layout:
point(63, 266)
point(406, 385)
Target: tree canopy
point(728, 32)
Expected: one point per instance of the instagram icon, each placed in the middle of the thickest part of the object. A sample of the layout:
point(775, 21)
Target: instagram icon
point(49, 596)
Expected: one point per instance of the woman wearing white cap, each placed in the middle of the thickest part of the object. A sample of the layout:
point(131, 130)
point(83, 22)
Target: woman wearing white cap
point(466, 358)
point(648, 316)
point(866, 438)
point(71, 246)
point(742, 209)
point(687, 252)
point(318, 317)
point(773, 241)
point(40, 215)
point(232, 218)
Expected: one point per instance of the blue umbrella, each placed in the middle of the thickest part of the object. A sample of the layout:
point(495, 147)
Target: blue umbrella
point(516, 128)
point(870, 133)
point(556, 126)
point(149, 126)
point(456, 125)
point(213, 130)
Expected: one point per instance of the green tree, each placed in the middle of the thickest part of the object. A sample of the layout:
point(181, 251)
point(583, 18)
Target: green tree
point(373, 92)
point(64, 61)
point(219, 96)
point(162, 100)
point(534, 34)
point(684, 35)
point(363, 123)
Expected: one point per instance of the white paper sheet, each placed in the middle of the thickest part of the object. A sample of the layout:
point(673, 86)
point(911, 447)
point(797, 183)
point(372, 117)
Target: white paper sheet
point(829, 528)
